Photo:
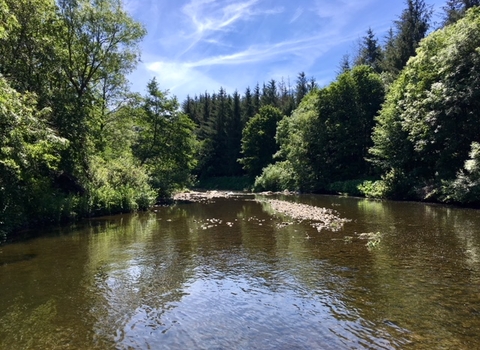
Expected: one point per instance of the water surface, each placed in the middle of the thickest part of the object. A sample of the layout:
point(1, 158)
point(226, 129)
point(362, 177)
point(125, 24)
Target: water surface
point(231, 275)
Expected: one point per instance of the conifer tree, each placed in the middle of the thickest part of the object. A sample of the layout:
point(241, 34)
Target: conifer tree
point(455, 9)
point(370, 53)
point(248, 108)
point(301, 88)
point(410, 28)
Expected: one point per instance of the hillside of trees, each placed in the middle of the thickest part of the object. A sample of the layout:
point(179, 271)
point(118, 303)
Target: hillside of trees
point(399, 121)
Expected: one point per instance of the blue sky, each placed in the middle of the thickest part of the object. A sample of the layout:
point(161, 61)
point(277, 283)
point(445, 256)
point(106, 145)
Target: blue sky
point(197, 46)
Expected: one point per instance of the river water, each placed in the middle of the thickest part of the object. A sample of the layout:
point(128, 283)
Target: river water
point(229, 274)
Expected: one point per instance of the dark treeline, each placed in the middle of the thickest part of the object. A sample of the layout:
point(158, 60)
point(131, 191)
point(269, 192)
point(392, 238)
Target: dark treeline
point(399, 121)
point(221, 117)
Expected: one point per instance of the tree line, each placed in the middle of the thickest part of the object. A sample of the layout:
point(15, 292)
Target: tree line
point(221, 118)
point(399, 121)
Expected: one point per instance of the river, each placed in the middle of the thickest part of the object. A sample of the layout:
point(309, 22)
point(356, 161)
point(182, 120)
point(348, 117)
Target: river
point(231, 274)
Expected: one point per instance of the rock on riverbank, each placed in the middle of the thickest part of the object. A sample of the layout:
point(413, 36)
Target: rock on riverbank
point(322, 218)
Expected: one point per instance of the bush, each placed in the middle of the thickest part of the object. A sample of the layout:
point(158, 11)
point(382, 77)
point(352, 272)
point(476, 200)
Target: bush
point(118, 185)
point(276, 177)
point(372, 189)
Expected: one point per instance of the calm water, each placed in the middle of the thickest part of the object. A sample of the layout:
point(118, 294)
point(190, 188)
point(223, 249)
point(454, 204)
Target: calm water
point(229, 275)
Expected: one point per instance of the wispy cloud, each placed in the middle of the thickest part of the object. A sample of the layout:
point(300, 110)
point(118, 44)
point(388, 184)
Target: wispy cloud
point(182, 79)
point(340, 13)
point(297, 14)
point(200, 45)
point(313, 46)
point(209, 15)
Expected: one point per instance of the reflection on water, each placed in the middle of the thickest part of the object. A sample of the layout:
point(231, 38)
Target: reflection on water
point(231, 274)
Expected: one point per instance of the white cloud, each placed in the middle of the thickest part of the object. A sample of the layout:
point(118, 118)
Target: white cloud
point(183, 79)
point(313, 46)
point(298, 12)
point(209, 15)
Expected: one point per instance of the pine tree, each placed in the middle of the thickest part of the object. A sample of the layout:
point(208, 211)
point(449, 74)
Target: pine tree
point(270, 94)
point(370, 53)
point(234, 132)
point(411, 27)
point(344, 65)
point(248, 108)
point(455, 9)
point(257, 98)
point(286, 100)
point(301, 88)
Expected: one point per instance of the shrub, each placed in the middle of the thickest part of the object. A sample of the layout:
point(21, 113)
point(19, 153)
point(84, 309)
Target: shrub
point(276, 177)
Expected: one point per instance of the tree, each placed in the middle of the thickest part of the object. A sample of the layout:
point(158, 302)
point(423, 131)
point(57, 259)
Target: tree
point(98, 40)
point(165, 141)
point(256, 98)
point(68, 132)
point(234, 136)
point(301, 88)
point(29, 49)
point(429, 121)
point(328, 135)
point(29, 152)
point(344, 65)
point(270, 94)
point(369, 53)
point(248, 108)
point(456, 9)
point(285, 100)
point(411, 27)
point(258, 140)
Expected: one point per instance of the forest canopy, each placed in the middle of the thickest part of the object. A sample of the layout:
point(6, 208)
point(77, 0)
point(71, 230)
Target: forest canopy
point(398, 121)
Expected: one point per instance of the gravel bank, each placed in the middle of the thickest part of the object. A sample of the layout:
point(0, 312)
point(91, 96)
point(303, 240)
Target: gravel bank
point(322, 218)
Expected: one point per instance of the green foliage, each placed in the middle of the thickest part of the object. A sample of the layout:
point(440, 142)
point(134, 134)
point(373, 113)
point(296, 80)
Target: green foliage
point(292, 136)
point(276, 177)
point(370, 53)
point(258, 140)
point(29, 152)
point(99, 43)
point(410, 29)
point(7, 19)
point(327, 137)
point(430, 118)
point(119, 185)
point(465, 188)
point(372, 189)
point(61, 114)
point(165, 142)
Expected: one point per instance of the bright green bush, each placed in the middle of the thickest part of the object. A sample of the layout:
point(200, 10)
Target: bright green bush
point(119, 185)
point(276, 177)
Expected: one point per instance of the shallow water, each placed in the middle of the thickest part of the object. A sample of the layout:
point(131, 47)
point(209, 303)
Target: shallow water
point(230, 275)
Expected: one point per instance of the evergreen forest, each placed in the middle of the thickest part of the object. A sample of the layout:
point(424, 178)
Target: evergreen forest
point(398, 122)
